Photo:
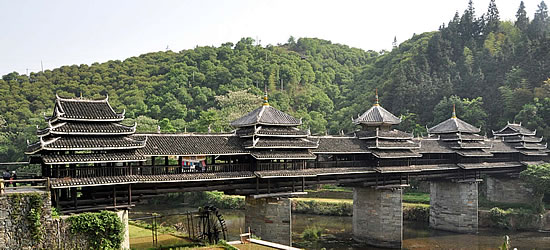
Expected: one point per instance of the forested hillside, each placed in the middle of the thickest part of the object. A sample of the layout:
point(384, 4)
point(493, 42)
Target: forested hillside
point(494, 71)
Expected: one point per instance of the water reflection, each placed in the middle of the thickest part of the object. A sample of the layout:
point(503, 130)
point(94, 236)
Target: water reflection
point(338, 232)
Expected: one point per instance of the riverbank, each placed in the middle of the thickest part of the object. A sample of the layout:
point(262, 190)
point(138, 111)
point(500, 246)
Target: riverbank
point(338, 201)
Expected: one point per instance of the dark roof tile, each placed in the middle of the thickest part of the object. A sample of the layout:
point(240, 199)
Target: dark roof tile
point(377, 115)
point(92, 158)
point(453, 125)
point(266, 115)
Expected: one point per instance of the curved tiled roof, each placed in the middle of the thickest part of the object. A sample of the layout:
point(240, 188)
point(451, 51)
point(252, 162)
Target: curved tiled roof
point(92, 158)
point(86, 128)
point(84, 110)
point(266, 115)
point(272, 131)
point(453, 125)
point(86, 143)
point(377, 115)
point(392, 134)
point(270, 155)
point(514, 129)
point(269, 142)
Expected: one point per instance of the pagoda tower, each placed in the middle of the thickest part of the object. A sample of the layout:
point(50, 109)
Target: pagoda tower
point(522, 139)
point(384, 142)
point(84, 133)
point(461, 137)
point(273, 136)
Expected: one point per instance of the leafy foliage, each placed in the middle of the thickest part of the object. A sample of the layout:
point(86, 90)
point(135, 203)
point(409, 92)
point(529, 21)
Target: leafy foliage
point(495, 71)
point(312, 233)
point(104, 229)
point(537, 177)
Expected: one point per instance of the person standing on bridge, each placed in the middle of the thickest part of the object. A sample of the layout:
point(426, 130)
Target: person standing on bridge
point(13, 177)
point(6, 176)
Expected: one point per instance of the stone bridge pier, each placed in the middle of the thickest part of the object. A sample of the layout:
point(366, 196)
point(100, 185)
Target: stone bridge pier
point(378, 216)
point(454, 206)
point(269, 218)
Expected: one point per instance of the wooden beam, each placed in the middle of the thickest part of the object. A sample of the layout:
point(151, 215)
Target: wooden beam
point(257, 196)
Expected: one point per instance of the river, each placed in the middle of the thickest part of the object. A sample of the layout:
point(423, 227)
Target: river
point(338, 232)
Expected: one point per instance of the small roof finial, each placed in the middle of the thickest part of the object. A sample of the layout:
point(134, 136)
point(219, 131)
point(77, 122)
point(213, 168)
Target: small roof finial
point(454, 111)
point(376, 103)
point(266, 103)
point(80, 94)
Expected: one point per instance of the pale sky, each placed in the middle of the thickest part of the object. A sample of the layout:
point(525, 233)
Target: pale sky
point(83, 32)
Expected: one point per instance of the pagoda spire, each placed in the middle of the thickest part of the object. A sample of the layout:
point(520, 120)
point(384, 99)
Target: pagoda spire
point(454, 112)
point(266, 103)
point(376, 103)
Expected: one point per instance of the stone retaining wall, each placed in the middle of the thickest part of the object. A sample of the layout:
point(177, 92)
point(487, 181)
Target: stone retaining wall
point(18, 229)
point(17, 232)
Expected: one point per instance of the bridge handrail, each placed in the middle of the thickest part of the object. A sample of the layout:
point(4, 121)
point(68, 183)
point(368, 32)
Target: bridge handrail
point(32, 185)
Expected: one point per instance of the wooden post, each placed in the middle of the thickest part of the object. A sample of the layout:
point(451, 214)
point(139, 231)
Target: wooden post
point(129, 194)
point(153, 165)
point(114, 195)
point(73, 194)
point(303, 183)
point(180, 162)
point(2, 191)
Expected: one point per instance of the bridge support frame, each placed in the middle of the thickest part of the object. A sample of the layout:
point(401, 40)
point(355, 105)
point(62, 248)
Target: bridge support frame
point(269, 218)
point(454, 206)
point(378, 216)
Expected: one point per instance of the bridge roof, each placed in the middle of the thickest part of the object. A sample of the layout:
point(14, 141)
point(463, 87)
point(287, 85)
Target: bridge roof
point(192, 144)
point(453, 125)
point(86, 128)
point(271, 131)
point(376, 116)
point(79, 109)
point(92, 158)
point(513, 129)
point(340, 145)
point(266, 115)
point(85, 143)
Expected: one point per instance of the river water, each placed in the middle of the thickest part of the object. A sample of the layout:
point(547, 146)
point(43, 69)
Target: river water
point(337, 232)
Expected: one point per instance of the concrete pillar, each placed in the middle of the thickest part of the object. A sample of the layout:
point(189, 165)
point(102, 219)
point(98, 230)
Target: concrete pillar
point(269, 218)
point(378, 217)
point(453, 206)
point(508, 190)
point(123, 215)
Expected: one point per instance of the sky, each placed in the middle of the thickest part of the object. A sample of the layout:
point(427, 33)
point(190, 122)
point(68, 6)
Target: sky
point(50, 34)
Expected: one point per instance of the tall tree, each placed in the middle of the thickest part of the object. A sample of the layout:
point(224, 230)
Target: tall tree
point(492, 18)
point(538, 28)
point(522, 20)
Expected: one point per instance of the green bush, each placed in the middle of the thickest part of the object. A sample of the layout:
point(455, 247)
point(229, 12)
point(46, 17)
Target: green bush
point(500, 217)
point(416, 213)
point(412, 197)
point(104, 229)
point(322, 208)
point(312, 233)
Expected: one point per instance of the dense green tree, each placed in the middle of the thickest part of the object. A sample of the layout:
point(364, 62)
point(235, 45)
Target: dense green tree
point(468, 110)
point(522, 20)
point(537, 177)
point(492, 18)
point(499, 69)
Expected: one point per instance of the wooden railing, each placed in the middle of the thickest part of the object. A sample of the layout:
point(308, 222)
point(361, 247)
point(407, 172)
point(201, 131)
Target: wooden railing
point(24, 185)
point(85, 172)
point(280, 166)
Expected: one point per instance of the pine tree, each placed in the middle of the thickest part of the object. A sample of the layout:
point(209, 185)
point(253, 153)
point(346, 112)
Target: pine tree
point(522, 20)
point(539, 27)
point(492, 18)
